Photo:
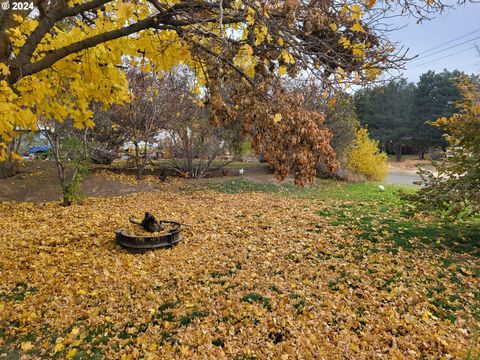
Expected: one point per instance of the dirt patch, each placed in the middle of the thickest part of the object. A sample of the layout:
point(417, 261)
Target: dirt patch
point(410, 165)
point(38, 182)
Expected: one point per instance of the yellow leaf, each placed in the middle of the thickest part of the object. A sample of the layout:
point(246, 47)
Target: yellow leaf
point(358, 50)
point(58, 347)
point(26, 346)
point(341, 71)
point(356, 12)
point(333, 26)
point(4, 69)
point(372, 73)
point(71, 353)
point(246, 50)
point(282, 70)
point(357, 27)
point(355, 8)
point(442, 341)
point(344, 41)
point(260, 34)
point(251, 16)
point(89, 123)
point(74, 332)
point(124, 10)
point(277, 118)
point(76, 343)
point(287, 57)
point(332, 102)
point(184, 350)
point(426, 315)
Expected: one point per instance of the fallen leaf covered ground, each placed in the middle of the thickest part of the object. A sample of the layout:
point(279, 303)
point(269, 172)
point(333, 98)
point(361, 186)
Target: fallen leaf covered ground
point(258, 275)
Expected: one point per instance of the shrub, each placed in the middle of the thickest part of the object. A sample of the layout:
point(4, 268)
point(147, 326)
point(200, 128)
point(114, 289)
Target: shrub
point(365, 157)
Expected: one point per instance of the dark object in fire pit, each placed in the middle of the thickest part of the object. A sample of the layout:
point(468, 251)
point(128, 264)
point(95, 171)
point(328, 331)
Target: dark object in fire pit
point(138, 243)
point(149, 223)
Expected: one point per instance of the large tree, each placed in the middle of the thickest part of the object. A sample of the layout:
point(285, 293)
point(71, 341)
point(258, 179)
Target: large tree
point(141, 120)
point(340, 115)
point(386, 110)
point(192, 143)
point(73, 51)
point(436, 96)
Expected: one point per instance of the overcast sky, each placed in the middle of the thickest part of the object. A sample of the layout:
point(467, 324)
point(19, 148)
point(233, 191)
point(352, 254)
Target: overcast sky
point(448, 26)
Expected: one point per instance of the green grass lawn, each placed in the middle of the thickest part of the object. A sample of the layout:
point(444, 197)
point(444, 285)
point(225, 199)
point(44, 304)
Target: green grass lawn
point(382, 218)
point(376, 214)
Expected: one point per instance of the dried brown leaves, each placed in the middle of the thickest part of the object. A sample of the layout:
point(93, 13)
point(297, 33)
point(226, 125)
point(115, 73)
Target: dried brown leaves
point(290, 137)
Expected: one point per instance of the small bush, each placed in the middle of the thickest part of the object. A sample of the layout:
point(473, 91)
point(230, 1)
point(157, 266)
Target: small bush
point(365, 157)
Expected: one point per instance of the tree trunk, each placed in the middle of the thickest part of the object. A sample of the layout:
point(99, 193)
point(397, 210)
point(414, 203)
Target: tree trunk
point(398, 152)
point(8, 168)
point(66, 200)
point(422, 154)
point(138, 161)
point(54, 143)
point(61, 178)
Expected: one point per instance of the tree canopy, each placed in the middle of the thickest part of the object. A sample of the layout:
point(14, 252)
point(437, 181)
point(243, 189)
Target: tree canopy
point(436, 95)
point(386, 111)
point(75, 52)
point(401, 113)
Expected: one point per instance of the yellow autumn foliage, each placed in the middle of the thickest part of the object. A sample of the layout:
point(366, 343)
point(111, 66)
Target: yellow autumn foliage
point(365, 157)
point(94, 74)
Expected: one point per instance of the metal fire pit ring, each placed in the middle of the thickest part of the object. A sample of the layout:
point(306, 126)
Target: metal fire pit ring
point(137, 243)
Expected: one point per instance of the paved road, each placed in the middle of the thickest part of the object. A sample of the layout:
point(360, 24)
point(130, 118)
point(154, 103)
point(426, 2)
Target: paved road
point(401, 177)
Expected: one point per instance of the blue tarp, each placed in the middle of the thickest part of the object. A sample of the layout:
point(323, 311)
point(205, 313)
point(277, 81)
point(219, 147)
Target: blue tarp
point(38, 149)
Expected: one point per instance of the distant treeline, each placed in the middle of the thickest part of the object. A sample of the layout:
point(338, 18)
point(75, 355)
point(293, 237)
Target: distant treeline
point(399, 114)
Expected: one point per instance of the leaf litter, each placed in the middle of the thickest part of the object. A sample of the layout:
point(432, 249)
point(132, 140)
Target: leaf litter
point(257, 276)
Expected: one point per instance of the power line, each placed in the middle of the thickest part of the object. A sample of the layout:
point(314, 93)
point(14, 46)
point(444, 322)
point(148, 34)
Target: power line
point(449, 41)
point(448, 48)
point(443, 57)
